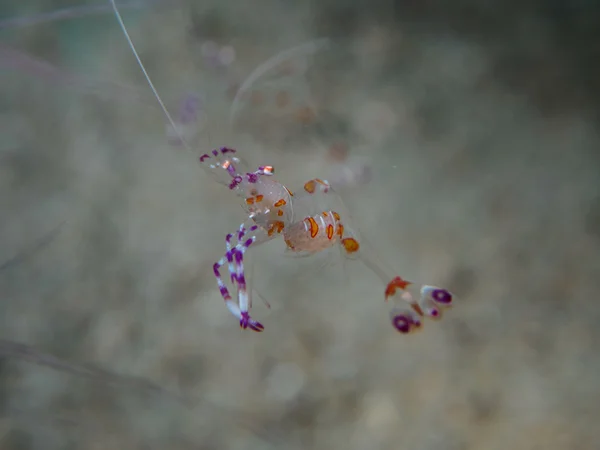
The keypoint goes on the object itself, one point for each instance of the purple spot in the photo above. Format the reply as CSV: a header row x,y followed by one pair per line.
x,y
239,257
231,170
224,292
216,153
236,180
228,238
254,228
227,150
229,255
241,280
442,296
252,177
203,157
256,326
248,243
402,323
216,270
245,320
241,233
434,313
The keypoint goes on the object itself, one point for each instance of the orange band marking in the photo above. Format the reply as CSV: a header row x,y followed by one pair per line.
x,y
314,228
351,245
276,226
310,186
396,283
330,231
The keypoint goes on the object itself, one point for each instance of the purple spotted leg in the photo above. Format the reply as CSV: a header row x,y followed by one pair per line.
x,y
240,278
224,158
234,258
228,258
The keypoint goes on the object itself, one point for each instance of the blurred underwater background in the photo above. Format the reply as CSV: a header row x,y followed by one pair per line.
x,y
464,138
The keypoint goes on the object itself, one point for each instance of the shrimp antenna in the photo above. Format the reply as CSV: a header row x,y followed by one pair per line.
x,y
148,79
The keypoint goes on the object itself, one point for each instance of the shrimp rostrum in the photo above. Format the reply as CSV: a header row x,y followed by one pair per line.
x,y
310,221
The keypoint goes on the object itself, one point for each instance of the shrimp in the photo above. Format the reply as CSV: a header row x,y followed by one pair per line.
x,y
271,211
309,222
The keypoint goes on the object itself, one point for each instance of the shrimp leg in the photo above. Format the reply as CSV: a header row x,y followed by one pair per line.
x,y
248,234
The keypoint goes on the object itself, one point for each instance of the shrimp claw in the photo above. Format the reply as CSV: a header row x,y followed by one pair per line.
x,y
425,301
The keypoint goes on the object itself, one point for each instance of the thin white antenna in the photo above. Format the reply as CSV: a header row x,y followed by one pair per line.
x,y
139,61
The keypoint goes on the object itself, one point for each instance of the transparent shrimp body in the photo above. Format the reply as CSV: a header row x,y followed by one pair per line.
x,y
314,233
266,201
269,204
